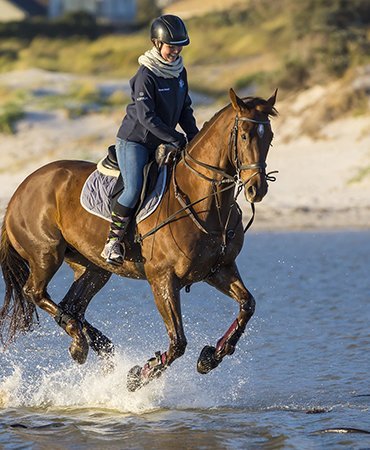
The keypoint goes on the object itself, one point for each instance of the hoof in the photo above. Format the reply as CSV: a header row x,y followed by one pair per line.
x,y
108,366
134,380
207,360
102,345
79,350
138,376
79,347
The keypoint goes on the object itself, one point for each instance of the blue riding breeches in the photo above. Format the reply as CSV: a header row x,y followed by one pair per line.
x,y
131,158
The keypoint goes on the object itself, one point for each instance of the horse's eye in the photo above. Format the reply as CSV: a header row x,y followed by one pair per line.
x,y
244,137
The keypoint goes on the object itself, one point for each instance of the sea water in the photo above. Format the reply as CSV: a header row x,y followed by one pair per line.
x,y
299,378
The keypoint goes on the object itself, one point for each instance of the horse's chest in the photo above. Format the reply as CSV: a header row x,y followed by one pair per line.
x,y
206,257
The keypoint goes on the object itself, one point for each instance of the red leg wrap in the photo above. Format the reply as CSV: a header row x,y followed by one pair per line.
x,y
226,345
154,367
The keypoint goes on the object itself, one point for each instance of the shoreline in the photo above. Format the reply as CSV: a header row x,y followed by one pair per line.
x,y
296,219
309,219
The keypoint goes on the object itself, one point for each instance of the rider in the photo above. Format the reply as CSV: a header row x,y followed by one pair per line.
x,y
160,102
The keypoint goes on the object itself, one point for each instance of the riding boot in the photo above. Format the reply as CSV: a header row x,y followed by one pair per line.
x,y
114,249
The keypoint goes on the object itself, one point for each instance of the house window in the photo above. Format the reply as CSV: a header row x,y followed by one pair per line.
x,y
122,9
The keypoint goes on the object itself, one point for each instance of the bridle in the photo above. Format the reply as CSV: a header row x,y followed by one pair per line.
x,y
231,181
258,167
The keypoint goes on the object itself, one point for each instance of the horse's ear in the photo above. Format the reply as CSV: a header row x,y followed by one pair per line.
x,y
271,101
237,102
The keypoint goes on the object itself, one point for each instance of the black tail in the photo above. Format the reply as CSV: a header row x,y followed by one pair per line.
x,y
17,313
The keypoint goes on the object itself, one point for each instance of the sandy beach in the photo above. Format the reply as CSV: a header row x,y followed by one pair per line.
x,y
323,183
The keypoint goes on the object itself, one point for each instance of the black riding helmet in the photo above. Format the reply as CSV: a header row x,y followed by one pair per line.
x,y
170,30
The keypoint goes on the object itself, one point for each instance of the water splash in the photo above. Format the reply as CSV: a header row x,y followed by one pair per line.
x,y
72,386
45,377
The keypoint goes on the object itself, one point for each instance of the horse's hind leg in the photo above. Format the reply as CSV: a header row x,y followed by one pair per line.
x,y
88,280
228,281
41,272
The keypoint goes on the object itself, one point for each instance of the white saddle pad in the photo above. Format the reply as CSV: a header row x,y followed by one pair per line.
x,y
95,195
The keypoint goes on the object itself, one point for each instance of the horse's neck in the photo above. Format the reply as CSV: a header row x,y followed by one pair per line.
x,y
211,148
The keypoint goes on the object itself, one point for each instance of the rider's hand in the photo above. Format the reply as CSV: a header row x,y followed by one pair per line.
x,y
180,142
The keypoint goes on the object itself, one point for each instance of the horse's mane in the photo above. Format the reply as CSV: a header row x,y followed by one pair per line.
x,y
257,103
213,119
260,104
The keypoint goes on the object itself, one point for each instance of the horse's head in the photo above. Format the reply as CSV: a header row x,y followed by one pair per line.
x,y
250,142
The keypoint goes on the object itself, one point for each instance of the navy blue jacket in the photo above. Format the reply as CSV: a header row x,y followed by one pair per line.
x,y
158,105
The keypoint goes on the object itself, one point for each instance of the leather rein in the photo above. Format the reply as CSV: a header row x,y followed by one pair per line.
x,y
231,181
233,148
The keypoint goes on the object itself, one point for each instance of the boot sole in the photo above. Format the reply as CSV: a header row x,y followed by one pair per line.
x,y
114,262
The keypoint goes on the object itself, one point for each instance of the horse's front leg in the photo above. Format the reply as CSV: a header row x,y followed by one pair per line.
x,y
228,281
167,298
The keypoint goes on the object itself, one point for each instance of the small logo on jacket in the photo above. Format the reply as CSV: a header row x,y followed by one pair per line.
x,y
141,97
181,83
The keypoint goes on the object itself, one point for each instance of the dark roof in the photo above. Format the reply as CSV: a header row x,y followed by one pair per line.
x,y
31,7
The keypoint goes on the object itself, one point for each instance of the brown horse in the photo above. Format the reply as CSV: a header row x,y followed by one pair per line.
x,y
199,236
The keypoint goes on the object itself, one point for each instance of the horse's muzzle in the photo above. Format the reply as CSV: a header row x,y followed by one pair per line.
x,y
254,193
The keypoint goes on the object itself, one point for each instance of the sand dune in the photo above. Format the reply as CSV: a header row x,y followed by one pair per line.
x,y
322,183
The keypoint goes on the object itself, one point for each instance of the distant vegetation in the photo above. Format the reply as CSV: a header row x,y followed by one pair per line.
x,y
265,44
285,43
10,113
82,98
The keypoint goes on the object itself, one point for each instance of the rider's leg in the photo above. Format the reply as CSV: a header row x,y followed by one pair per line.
x,y
114,249
132,158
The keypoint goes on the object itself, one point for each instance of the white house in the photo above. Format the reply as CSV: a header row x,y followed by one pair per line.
x,y
16,10
109,11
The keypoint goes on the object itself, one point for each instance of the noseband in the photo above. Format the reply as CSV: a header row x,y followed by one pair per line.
x,y
232,181
258,167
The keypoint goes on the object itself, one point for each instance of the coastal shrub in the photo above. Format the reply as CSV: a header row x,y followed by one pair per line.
x,y
18,96
294,44
71,24
294,74
118,98
74,110
147,10
249,80
86,92
10,113
362,174
340,101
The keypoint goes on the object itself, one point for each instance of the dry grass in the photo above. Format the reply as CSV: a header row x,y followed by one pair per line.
x,y
339,101
251,45
11,108
362,174
216,79
191,8
10,113
113,54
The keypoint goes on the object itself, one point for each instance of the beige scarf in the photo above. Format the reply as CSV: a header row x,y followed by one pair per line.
x,y
153,60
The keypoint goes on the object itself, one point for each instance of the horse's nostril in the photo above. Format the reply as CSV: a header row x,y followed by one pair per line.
x,y
252,191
